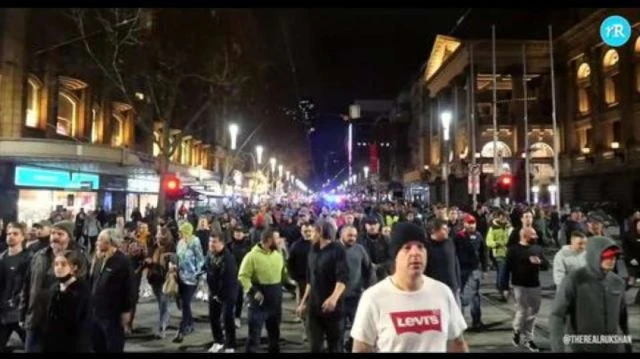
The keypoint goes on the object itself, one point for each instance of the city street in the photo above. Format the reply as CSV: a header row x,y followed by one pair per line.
x,y
496,315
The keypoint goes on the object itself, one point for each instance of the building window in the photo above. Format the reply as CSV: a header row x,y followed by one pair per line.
x,y
33,103
610,59
583,78
583,101
584,72
67,114
617,131
156,147
637,46
609,91
585,137
94,125
117,123
185,152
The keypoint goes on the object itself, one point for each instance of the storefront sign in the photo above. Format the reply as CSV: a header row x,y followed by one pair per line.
x,y
113,183
36,177
143,185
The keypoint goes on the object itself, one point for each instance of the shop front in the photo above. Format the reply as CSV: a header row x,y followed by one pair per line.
x,y
142,193
113,193
43,191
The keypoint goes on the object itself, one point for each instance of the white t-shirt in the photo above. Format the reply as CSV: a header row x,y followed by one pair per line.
x,y
392,320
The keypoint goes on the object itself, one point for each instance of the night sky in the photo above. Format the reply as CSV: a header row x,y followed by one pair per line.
x,y
341,55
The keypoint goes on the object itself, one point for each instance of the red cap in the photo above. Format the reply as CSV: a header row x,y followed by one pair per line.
x,y
610,253
469,219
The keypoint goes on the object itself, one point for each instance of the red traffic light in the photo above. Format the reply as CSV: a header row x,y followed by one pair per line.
x,y
505,180
172,183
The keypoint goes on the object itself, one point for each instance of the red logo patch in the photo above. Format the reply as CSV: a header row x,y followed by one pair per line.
x,y
417,321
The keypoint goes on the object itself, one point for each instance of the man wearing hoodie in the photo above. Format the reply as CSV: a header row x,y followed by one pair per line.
x,y
497,239
570,257
591,301
377,247
239,247
39,281
261,275
222,273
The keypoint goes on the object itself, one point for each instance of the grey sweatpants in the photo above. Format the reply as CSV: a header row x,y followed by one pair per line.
x,y
527,307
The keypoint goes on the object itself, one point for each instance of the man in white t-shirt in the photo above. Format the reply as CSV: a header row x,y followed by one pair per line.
x,y
407,311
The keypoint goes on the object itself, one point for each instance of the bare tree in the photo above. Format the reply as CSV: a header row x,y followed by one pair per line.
x,y
179,88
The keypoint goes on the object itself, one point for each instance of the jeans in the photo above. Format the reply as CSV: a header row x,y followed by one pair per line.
x,y
268,314
108,335
33,343
471,293
329,327
502,277
223,307
186,293
527,306
350,307
239,302
163,307
136,295
5,334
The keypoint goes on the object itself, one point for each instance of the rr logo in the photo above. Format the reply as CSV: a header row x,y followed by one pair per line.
x,y
615,31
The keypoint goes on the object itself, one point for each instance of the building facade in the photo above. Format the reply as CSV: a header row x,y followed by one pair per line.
x,y
597,93
65,142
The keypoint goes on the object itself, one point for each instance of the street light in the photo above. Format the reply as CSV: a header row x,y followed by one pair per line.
x,y
445,118
366,172
259,150
272,161
280,170
233,131
288,173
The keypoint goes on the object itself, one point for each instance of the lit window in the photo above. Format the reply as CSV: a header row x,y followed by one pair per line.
x,y
583,101
584,71
156,147
609,91
94,125
67,113
610,59
33,102
117,123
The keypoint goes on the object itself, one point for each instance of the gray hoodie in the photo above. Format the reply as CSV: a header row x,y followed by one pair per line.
x,y
565,262
590,302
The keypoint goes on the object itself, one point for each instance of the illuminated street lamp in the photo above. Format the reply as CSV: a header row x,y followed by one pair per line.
x,y
288,175
366,172
233,131
259,150
272,161
445,118
280,170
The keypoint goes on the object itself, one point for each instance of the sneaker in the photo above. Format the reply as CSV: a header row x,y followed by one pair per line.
x,y
215,348
531,346
178,338
238,323
229,350
515,340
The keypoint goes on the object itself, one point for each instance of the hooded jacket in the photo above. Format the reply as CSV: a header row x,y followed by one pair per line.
x,y
497,238
262,267
590,302
565,262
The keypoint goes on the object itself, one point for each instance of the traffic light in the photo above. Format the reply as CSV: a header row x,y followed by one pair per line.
x,y
504,184
172,187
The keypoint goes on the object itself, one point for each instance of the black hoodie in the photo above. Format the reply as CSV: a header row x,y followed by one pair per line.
x,y
590,302
222,275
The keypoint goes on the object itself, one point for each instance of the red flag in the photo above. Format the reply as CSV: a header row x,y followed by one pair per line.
x,y
374,158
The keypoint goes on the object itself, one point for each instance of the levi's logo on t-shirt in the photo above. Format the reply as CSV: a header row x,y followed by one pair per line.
x,y
417,321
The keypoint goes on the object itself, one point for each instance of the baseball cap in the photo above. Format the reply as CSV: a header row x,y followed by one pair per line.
x,y
611,252
469,219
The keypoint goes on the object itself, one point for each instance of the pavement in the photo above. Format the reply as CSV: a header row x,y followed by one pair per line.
x,y
496,315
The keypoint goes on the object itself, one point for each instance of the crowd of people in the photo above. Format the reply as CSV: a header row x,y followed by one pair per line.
x,y
367,277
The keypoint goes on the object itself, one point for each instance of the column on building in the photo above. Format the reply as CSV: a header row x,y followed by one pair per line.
x,y
13,77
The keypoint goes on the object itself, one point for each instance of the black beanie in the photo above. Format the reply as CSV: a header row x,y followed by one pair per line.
x,y
404,232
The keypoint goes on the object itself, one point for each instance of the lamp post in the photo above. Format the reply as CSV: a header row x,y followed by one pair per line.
x,y
366,172
259,150
280,171
272,161
445,118
233,131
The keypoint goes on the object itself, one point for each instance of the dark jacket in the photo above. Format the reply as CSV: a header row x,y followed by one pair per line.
x,y
590,301
471,251
378,250
38,283
631,244
112,286
203,236
326,267
298,260
222,275
442,263
12,280
68,324
523,272
239,249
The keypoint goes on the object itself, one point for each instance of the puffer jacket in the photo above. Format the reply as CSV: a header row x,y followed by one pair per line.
x,y
498,238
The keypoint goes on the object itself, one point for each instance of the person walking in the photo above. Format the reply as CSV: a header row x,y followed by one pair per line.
x,y
239,247
570,257
408,311
442,262
157,266
497,239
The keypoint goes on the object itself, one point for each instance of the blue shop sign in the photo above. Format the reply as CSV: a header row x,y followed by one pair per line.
x,y
36,177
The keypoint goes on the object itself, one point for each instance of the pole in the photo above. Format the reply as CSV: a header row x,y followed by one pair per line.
x,y
556,137
527,157
496,170
472,112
